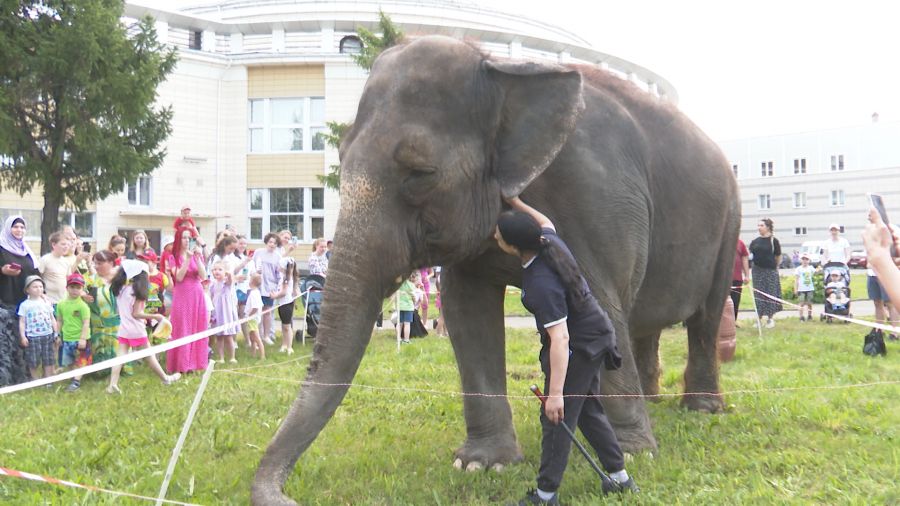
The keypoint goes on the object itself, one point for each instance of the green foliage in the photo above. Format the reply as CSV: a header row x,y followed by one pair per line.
x,y
77,91
333,138
394,445
374,44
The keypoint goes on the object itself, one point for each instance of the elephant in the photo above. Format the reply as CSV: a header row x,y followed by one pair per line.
x,y
646,202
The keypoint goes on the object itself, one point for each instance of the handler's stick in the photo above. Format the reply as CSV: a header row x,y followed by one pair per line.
x,y
603,477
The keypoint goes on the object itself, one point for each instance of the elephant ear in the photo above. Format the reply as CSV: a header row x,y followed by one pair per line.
x,y
541,105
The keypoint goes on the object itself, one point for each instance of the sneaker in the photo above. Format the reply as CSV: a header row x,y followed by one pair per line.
x,y
113,389
283,349
232,361
612,486
73,386
290,351
172,379
406,341
770,324
268,341
532,497
802,319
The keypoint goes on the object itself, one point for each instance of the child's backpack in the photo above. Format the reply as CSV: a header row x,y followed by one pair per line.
x,y
874,344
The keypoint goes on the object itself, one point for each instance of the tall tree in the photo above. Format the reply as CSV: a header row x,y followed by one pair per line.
x,y
373,45
77,101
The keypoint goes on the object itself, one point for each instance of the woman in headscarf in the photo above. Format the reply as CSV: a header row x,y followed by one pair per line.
x,y
17,262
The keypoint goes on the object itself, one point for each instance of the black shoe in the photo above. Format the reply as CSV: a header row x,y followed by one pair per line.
x,y
532,497
612,486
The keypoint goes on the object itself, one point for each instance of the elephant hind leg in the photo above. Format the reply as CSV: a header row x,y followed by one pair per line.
x,y
646,358
701,376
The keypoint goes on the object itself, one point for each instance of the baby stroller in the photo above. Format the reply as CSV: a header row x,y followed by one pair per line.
x,y
837,300
311,296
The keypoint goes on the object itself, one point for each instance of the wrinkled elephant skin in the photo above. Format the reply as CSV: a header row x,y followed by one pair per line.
x,y
646,202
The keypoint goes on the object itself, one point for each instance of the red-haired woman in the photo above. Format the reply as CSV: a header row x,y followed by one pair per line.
x,y
189,313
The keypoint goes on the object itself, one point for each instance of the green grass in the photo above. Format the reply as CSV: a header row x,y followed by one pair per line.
x,y
393,447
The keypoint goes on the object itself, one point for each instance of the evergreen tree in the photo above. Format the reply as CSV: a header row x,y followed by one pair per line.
x,y
77,93
373,45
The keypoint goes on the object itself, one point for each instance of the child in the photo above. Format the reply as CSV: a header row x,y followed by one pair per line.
x,y
131,299
836,289
37,328
159,282
254,308
55,267
186,221
74,318
284,301
804,287
224,302
405,307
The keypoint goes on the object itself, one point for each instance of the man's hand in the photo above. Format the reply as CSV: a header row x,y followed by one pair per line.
x,y
23,342
82,344
553,408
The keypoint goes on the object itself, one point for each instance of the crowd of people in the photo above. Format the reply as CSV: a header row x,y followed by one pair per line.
x,y
71,308
764,254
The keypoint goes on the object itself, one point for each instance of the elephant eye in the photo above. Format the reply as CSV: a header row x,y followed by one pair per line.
x,y
418,183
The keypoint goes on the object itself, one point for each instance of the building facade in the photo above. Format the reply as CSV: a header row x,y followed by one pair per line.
x,y
807,181
255,85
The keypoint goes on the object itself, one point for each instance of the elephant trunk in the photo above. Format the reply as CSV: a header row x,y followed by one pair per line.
x,y
348,312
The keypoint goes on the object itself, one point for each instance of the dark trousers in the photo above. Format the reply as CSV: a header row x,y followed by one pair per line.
x,y
586,413
737,288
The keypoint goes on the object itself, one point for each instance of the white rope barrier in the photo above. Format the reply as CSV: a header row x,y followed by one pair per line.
x,y
12,473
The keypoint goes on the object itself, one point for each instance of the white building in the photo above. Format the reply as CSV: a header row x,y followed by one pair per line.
x,y
256,83
807,181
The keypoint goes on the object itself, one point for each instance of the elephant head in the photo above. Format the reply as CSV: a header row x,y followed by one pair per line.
x,y
441,133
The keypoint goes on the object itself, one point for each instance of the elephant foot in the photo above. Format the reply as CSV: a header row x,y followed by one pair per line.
x,y
705,403
494,453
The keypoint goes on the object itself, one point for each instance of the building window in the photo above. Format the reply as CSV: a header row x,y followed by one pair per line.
x,y
799,230
300,210
32,219
837,162
139,191
734,168
837,198
285,125
768,169
83,223
799,200
799,165
195,39
764,201
351,45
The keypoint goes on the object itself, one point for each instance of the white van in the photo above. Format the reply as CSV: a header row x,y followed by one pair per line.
x,y
814,249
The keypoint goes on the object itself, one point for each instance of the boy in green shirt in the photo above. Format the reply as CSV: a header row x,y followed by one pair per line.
x,y
74,317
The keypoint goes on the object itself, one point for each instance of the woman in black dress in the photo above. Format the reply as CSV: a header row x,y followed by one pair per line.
x,y
17,262
578,342
766,252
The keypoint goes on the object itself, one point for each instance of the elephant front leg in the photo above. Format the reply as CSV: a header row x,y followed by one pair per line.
x,y
473,311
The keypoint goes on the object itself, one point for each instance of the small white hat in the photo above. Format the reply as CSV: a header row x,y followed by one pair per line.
x,y
134,267
835,226
167,240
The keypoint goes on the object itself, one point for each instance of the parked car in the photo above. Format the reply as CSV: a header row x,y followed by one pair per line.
x,y
858,260
814,249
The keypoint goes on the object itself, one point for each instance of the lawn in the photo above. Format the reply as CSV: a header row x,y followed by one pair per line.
x,y
798,433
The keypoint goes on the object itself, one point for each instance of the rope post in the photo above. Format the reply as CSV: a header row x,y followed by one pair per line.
x,y
176,452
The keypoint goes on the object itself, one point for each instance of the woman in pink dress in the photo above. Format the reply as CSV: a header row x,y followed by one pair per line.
x,y
189,314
